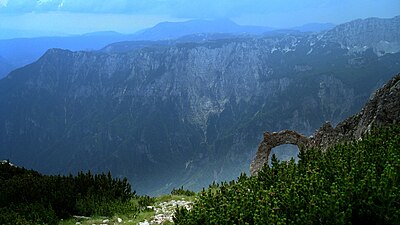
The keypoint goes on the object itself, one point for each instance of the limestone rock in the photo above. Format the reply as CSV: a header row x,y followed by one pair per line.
x,y
381,110
272,140
380,34
144,223
165,211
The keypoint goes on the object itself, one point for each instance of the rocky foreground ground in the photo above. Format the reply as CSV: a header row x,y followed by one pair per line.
x,y
161,212
165,211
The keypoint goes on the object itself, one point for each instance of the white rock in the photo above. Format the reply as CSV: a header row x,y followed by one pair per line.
x,y
106,221
164,211
119,220
144,223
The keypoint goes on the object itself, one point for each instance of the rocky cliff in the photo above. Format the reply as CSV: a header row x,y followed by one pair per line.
x,y
382,35
381,110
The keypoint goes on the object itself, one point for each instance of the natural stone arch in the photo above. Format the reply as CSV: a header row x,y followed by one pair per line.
x,y
284,152
382,110
272,140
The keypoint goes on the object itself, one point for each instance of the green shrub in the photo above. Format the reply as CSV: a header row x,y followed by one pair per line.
x,y
355,183
33,198
181,191
27,214
145,201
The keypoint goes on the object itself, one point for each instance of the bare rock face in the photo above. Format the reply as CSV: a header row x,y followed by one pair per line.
x,y
381,34
271,140
381,110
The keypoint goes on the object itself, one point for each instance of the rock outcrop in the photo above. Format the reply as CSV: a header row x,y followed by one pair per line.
x,y
382,109
164,211
272,140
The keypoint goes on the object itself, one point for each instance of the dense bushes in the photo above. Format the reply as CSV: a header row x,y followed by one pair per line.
x,y
181,191
24,213
144,201
355,183
27,197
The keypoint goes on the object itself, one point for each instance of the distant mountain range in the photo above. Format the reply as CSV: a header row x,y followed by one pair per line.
x,y
380,34
171,113
16,33
22,51
314,27
173,30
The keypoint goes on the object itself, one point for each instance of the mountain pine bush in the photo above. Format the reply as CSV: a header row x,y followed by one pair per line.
x,y
353,183
27,197
182,191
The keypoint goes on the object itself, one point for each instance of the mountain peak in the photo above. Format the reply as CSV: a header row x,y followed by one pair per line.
x,y
173,30
383,35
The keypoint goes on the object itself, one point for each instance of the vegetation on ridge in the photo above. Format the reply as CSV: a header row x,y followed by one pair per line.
x,y
27,197
356,183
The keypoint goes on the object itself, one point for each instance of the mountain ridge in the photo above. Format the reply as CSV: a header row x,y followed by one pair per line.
x,y
16,54
380,34
186,114
15,51
173,30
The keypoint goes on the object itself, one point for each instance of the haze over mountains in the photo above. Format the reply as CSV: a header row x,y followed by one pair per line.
x,y
17,52
192,110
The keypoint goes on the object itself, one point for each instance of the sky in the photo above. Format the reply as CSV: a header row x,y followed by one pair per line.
x,y
129,16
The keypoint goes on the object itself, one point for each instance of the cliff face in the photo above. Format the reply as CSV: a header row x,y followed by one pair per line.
x,y
381,110
382,35
180,114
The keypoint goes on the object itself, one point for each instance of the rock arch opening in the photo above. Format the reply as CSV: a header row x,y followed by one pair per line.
x,y
272,140
285,152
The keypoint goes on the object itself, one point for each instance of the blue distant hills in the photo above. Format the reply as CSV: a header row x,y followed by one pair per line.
x,y
18,52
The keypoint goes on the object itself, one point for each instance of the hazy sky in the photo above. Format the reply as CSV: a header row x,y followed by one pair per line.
x,y
127,16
